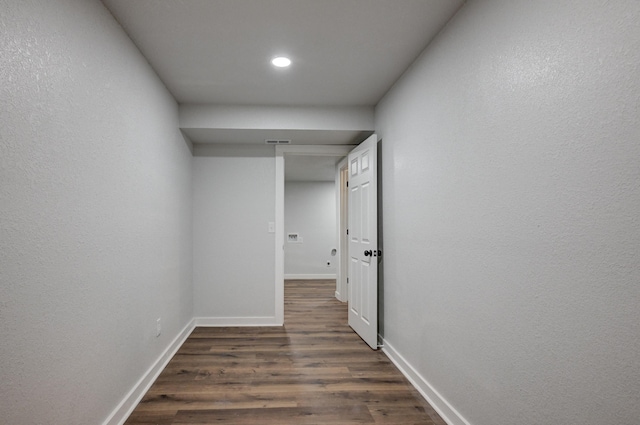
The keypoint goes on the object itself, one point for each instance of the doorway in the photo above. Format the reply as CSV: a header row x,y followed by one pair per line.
x,y
310,242
364,253
337,151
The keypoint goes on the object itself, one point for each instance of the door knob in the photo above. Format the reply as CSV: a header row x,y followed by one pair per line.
x,y
368,253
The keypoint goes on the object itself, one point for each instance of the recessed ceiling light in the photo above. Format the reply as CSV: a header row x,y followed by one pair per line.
x,y
281,62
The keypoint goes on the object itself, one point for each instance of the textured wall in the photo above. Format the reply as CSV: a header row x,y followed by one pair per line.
x,y
233,265
511,182
95,210
310,210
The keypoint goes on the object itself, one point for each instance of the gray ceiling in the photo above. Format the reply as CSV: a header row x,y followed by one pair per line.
x,y
344,52
214,57
310,168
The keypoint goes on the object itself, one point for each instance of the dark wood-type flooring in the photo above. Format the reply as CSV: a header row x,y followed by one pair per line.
x,y
314,370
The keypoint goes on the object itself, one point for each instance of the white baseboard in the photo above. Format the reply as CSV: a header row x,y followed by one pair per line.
x,y
120,414
235,321
450,415
310,276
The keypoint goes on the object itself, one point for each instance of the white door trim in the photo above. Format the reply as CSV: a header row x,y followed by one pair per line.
x,y
281,151
342,174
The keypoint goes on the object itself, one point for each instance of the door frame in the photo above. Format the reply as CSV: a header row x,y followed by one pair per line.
x,y
281,151
342,202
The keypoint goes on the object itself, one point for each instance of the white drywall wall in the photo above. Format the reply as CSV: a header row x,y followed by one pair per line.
x,y
234,201
310,211
272,117
511,184
95,210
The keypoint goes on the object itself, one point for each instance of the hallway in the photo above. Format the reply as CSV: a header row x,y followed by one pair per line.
x,y
314,370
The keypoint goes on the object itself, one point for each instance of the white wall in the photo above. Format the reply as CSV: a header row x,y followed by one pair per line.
x,y
95,210
276,117
234,201
310,211
512,229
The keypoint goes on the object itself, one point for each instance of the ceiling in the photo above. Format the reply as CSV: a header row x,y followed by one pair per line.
x,y
310,168
344,52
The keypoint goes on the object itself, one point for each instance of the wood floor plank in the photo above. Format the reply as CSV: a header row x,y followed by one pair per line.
x,y
312,370
160,417
358,414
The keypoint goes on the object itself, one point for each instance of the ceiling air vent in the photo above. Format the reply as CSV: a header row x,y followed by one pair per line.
x,y
277,142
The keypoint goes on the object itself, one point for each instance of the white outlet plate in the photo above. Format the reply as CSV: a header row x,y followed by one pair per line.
x,y
294,238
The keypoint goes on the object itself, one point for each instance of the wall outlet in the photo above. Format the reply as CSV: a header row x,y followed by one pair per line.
x,y
158,327
293,238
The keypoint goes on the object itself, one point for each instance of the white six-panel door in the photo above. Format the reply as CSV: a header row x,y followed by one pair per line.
x,y
363,241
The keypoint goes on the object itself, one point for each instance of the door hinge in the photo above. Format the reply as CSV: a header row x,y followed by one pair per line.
x,y
347,231
347,184
347,280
